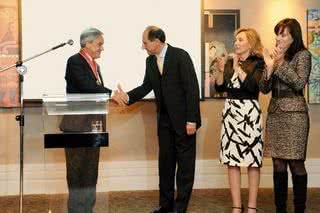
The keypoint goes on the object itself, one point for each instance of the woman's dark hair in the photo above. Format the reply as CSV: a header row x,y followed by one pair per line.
x,y
294,29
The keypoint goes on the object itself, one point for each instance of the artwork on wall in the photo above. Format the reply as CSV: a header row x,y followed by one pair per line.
x,y
9,52
217,41
313,29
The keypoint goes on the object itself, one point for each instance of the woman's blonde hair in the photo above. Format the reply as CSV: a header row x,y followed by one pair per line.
x,y
253,39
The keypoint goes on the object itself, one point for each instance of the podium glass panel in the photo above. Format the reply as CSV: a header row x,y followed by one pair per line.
x,y
62,148
75,117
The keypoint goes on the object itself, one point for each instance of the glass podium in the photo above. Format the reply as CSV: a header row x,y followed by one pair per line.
x,y
80,120
62,147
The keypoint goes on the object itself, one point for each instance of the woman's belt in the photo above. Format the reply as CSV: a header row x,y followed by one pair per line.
x,y
286,93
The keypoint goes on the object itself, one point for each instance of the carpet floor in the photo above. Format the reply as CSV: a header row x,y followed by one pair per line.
x,y
202,201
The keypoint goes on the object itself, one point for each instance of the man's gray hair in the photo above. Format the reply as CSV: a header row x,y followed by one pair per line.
x,y
88,35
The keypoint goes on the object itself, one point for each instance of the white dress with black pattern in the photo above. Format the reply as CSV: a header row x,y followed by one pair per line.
x,y
241,132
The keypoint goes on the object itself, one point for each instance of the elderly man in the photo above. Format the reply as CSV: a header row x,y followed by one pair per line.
x,y
83,76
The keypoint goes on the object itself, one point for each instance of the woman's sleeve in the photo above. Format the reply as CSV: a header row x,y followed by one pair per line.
x,y
251,83
265,84
296,75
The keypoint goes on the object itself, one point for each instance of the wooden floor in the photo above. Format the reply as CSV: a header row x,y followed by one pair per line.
x,y
202,201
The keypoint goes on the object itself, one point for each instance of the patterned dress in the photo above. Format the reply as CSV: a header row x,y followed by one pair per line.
x,y
241,132
288,123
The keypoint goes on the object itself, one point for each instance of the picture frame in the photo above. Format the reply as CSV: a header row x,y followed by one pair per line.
x,y
10,52
313,43
218,27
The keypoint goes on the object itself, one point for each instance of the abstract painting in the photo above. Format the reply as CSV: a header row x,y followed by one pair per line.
x,y
9,52
313,29
217,41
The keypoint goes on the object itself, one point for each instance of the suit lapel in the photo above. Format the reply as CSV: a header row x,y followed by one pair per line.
x,y
166,61
155,67
100,76
88,68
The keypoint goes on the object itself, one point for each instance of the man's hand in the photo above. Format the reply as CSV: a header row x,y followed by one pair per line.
x,y
191,128
120,97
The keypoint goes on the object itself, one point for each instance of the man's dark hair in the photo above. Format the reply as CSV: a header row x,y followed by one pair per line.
x,y
156,33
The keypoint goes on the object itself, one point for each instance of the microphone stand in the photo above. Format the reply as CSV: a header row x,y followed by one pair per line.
x,y
22,70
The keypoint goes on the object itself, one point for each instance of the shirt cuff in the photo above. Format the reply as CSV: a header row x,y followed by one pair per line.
x,y
128,99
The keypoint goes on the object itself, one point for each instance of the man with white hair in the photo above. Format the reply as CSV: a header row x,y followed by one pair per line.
x,y
83,76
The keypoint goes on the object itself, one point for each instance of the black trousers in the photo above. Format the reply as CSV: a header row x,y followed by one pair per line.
x,y
180,150
82,174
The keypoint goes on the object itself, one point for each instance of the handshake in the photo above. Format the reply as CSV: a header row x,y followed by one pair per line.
x,y
120,97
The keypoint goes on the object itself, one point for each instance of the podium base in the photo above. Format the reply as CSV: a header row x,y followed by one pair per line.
x,y
74,140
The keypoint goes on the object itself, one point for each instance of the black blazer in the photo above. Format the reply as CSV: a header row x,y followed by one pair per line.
x,y
180,89
80,78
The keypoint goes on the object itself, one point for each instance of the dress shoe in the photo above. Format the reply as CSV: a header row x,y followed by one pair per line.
x,y
161,209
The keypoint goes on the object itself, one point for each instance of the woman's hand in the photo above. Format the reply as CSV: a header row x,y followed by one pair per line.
x,y
218,76
269,60
235,58
238,72
278,55
221,61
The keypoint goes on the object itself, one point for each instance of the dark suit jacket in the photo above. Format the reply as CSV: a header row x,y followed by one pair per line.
x,y
180,89
80,79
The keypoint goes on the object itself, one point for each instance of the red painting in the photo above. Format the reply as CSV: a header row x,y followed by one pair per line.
x,y
9,52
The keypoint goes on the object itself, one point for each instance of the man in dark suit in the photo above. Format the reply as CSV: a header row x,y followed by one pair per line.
x,y
83,76
171,75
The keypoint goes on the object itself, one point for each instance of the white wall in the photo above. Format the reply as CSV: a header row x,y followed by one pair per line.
x,y
48,23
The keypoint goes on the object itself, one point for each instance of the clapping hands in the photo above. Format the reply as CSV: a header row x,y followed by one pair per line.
x,y
221,61
235,58
273,59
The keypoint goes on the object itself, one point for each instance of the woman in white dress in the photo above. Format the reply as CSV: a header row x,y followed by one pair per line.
x,y
241,132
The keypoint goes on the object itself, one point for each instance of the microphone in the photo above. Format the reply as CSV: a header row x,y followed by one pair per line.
x,y
70,42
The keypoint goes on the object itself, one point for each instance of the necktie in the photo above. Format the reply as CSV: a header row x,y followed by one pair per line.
x,y
160,64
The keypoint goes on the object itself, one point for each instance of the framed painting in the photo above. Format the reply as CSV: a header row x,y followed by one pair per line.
x,y
9,52
218,27
313,31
